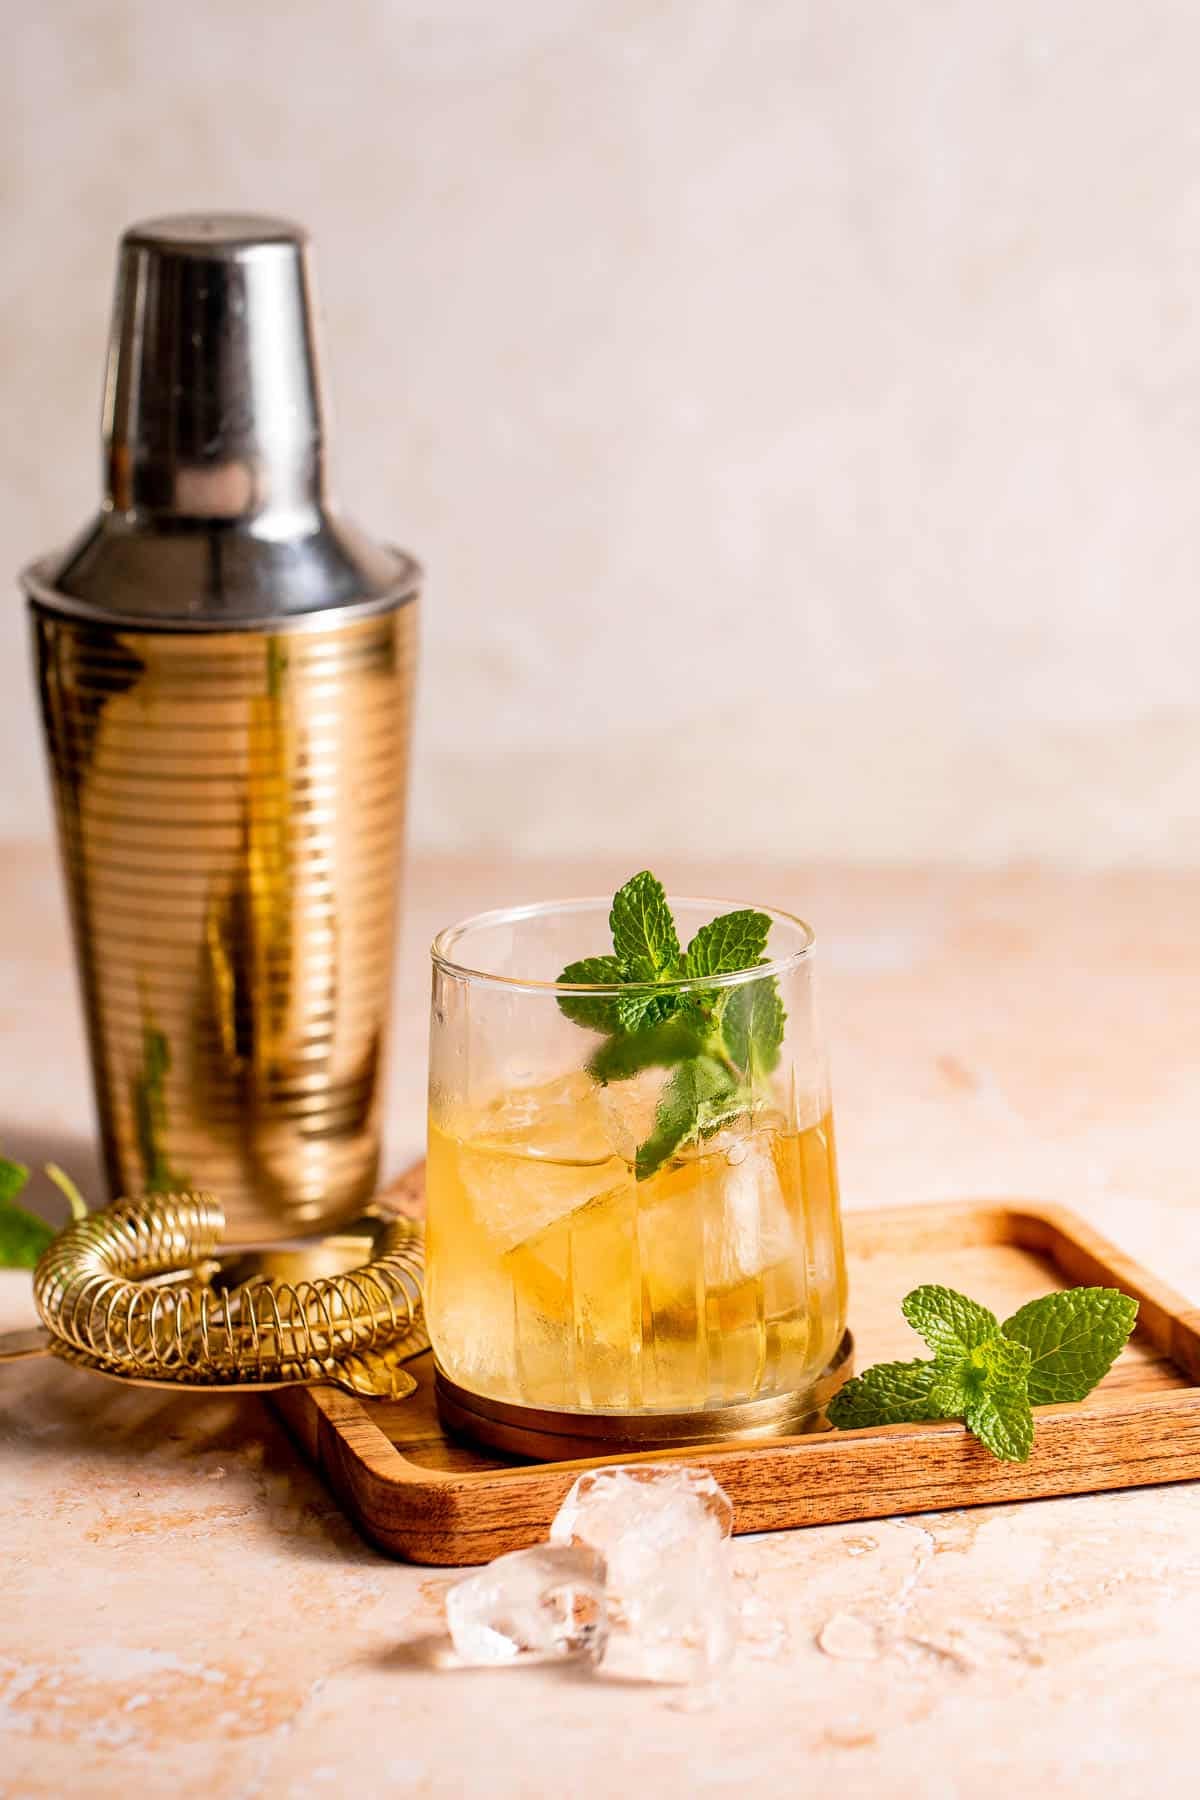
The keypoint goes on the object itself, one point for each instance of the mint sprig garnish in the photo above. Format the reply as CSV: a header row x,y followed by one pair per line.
x,y
717,1042
991,1375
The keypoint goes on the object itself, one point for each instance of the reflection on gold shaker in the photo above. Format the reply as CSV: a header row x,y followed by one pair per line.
x,y
231,811
226,671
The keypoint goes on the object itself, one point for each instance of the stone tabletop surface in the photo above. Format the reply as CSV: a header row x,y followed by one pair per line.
x,y
186,1611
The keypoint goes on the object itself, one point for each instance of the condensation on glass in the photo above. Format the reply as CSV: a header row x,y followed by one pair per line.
x,y
557,1280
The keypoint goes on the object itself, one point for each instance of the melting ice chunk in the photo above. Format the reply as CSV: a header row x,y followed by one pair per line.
x,y
531,1606
662,1530
627,1110
535,1156
748,1226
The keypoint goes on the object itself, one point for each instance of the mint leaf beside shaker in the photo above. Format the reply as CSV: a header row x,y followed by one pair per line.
x,y
23,1237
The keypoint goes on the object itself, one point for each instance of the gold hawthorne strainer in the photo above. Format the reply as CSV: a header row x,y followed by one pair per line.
x,y
135,1292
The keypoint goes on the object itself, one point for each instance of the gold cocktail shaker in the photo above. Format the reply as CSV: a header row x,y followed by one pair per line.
x,y
226,669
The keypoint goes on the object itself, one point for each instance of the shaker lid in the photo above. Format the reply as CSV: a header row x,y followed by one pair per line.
x,y
216,513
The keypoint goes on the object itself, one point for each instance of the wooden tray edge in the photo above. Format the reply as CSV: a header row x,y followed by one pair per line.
x,y
863,1475
427,1515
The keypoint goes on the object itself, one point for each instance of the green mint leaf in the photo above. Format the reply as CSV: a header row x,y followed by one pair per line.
x,y
643,930
22,1236
691,1033
1054,1349
689,1098
948,1321
987,1387
75,1200
658,1046
13,1176
724,1107
1073,1339
597,1012
960,1379
640,1008
895,1393
1002,1420
752,1022
727,945
1003,1361
952,1386
751,1016
998,1410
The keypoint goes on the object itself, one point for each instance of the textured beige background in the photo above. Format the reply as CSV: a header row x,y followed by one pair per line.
x,y
797,405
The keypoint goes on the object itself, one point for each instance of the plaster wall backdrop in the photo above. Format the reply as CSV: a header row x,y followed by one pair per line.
x,y
797,405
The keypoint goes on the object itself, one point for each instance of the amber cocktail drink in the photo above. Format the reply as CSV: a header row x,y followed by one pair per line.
x,y
628,1220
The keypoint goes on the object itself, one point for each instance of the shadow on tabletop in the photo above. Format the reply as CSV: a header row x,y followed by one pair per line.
x,y
50,1410
127,1446
434,1651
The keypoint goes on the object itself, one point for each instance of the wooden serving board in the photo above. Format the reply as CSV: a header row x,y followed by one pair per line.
x,y
424,1497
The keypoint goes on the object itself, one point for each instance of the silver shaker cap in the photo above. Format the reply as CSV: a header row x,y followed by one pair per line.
x,y
216,513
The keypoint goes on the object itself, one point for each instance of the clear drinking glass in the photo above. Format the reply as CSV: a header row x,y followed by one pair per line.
x,y
568,1266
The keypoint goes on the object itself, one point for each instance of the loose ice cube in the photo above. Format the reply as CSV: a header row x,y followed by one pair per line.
x,y
662,1530
531,1606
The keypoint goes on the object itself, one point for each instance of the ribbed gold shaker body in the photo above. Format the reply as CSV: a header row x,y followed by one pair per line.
x,y
230,810
226,670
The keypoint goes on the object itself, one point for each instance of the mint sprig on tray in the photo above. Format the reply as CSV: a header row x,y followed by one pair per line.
x,y
991,1375
717,1042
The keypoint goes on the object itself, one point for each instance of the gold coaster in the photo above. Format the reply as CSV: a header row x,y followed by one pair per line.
x,y
550,1434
